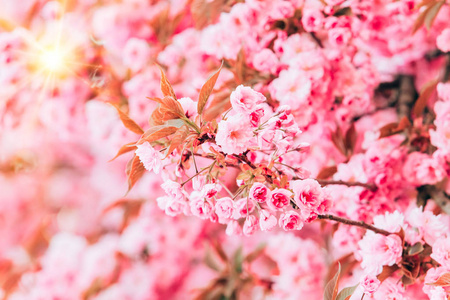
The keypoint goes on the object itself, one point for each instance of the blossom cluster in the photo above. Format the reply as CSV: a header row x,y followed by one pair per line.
x,y
278,149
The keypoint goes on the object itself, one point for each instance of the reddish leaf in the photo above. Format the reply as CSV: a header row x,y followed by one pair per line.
x,y
206,90
129,123
326,172
205,12
156,118
424,3
178,139
428,15
387,272
394,128
219,104
331,289
338,140
166,87
157,132
169,108
425,94
350,138
444,280
125,149
135,170
432,13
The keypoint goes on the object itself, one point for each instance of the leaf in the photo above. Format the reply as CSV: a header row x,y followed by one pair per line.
x,y
394,128
206,90
415,249
157,132
444,280
125,149
432,13
346,293
166,87
428,15
135,170
170,108
178,138
350,138
238,259
326,172
425,94
218,105
129,123
387,272
205,12
255,254
332,286
338,140
424,3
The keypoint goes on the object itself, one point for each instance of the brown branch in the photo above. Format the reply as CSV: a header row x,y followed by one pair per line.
x,y
406,96
368,186
354,223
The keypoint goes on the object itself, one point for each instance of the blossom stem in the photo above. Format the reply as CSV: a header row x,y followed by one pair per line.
x,y
354,223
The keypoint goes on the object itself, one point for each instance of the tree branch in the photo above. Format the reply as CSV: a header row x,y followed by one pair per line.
x,y
354,223
368,186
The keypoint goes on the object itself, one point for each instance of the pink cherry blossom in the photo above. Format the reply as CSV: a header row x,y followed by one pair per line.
x,y
150,157
259,192
250,225
279,199
290,221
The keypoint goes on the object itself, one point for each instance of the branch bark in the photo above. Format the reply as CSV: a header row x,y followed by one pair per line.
x,y
354,223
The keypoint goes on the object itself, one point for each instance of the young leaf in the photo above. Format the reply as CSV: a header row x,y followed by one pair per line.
x,y
415,249
125,149
178,138
170,108
205,12
444,280
135,170
129,123
331,289
350,138
425,94
166,87
346,293
157,132
206,90
220,104
432,13
428,15
327,172
387,272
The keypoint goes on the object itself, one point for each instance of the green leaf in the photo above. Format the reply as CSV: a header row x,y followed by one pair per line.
x,y
206,90
415,249
346,293
332,286
238,259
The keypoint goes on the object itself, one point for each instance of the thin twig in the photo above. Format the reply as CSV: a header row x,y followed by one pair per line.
x,y
354,223
368,186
